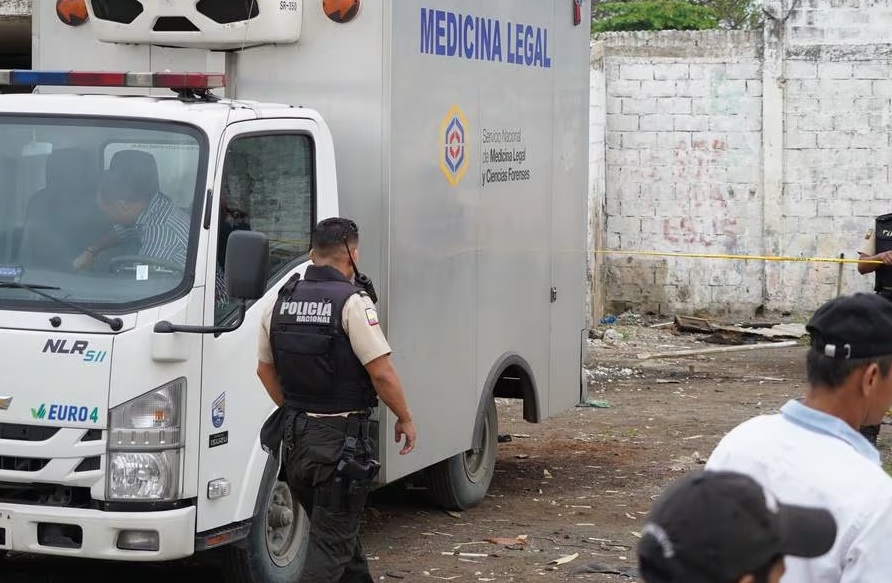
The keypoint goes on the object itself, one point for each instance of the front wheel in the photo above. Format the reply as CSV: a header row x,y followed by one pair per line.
x,y
462,481
276,547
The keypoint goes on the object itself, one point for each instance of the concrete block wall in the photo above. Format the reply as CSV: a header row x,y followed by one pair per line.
x,y
597,185
683,152
837,154
774,143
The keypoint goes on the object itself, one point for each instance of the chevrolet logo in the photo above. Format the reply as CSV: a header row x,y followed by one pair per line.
x,y
5,402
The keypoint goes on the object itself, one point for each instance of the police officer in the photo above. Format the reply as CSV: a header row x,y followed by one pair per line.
x,y
325,361
877,246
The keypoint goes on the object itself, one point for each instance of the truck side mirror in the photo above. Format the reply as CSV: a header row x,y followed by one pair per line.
x,y
247,265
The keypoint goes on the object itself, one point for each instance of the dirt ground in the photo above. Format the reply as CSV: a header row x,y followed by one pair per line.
x,y
575,487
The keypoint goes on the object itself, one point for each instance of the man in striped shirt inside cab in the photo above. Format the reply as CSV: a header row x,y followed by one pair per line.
x,y
130,196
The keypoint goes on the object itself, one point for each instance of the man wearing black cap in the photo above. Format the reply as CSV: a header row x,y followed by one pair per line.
x,y
811,453
721,527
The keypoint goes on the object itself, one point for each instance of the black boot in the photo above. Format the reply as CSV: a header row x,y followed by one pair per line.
x,y
871,432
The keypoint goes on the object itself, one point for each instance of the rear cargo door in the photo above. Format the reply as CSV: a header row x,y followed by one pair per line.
x,y
569,205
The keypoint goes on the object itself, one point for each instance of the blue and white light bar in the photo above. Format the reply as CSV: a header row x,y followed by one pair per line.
x,y
112,79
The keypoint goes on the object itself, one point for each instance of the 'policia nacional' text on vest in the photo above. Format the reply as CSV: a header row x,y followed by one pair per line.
x,y
318,370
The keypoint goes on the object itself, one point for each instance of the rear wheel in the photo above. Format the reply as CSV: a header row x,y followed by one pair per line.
x,y
463,480
276,546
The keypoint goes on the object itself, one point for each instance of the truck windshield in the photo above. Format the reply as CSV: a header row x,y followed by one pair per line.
x,y
102,209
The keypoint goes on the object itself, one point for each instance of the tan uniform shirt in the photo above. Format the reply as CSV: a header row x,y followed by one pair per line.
x,y
360,322
869,244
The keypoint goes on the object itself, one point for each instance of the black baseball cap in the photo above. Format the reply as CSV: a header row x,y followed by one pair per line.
x,y
852,326
717,526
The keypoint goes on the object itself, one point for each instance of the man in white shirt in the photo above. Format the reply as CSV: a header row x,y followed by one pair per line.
x,y
721,527
812,454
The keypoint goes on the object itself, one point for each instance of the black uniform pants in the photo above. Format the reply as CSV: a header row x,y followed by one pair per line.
x,y
333,504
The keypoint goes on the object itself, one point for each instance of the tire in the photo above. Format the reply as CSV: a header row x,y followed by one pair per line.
x,y
462,481
275,550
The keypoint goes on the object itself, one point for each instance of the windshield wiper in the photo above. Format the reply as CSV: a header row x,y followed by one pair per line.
x,y
113,323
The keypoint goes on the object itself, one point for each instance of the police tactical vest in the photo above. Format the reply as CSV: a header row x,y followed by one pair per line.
x,y
318,370
883,234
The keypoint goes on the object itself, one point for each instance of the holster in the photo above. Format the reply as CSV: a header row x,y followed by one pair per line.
x,y
342,495
349,468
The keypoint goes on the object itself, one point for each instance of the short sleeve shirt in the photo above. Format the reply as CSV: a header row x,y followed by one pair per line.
x,y
360,322
807,457
868,244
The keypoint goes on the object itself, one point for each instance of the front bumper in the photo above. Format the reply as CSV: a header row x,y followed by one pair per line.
x,y
99,532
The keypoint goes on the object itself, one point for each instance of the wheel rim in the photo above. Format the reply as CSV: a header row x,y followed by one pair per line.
x,y
284,521
476,463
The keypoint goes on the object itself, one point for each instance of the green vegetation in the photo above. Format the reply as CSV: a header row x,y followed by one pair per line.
x,y
630,15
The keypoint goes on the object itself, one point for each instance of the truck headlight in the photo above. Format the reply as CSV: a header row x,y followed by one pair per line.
x,y
145,442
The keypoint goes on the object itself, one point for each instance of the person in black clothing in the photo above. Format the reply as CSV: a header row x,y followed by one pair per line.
x,y
875,256
325,361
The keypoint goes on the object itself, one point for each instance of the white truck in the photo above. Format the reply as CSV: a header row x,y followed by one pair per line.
x,y
454,132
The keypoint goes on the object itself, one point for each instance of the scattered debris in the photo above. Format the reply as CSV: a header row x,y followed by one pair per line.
x,y
453,513
599,373
759,324
687,462
596,403
603,569
519,540
695,352
740,334
428,574
692,324
564,560
504,438
612,337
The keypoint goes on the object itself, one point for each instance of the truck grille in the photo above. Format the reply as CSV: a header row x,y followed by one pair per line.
x,y
70,464
45,495
22,464
17,432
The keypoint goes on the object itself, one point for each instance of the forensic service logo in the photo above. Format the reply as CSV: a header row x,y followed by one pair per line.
x,y
454,162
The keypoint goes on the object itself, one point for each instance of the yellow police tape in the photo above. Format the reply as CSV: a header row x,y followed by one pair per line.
x,y
304,243
732,256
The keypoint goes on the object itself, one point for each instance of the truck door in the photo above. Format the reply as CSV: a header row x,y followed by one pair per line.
x,y
569,214
266,181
